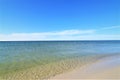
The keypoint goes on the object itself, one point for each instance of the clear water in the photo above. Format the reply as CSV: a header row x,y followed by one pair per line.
x,y
14,54
41,49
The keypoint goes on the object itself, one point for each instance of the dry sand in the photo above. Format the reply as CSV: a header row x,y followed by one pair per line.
x,y
108,68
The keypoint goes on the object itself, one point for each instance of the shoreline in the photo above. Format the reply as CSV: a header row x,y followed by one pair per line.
x,y
55,69
108,68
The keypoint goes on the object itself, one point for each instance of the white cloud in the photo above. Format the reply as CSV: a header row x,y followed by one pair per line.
x,y
44,35
65,37
97,37
62,35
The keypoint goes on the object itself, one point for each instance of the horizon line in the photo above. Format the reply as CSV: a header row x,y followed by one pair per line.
x,y
53,40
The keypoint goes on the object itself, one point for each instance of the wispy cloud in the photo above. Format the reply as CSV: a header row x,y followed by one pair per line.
x,y
73,34
112,27
44,35
59,33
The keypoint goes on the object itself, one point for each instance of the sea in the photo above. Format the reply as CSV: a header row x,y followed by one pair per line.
x,y
19,55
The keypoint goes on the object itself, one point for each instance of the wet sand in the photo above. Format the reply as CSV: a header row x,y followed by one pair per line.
x,y
108,68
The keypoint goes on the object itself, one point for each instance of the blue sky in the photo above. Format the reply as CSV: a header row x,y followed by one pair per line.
x,y
59,19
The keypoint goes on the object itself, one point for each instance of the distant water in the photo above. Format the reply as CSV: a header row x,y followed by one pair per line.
x,y
26,50
13,54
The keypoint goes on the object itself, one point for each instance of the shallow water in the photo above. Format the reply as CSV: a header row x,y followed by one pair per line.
x,y
16,56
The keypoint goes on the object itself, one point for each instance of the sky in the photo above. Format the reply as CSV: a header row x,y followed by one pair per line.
x,y
59,20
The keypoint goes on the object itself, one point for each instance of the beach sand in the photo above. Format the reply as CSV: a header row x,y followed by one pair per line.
x,y
108,68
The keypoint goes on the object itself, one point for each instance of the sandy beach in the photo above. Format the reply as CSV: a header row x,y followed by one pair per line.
x,y
108,68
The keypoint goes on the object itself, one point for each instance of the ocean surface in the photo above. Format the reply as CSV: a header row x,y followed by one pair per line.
x,y
20,55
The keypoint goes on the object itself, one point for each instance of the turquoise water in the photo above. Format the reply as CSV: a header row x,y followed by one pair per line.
x,y
18,55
